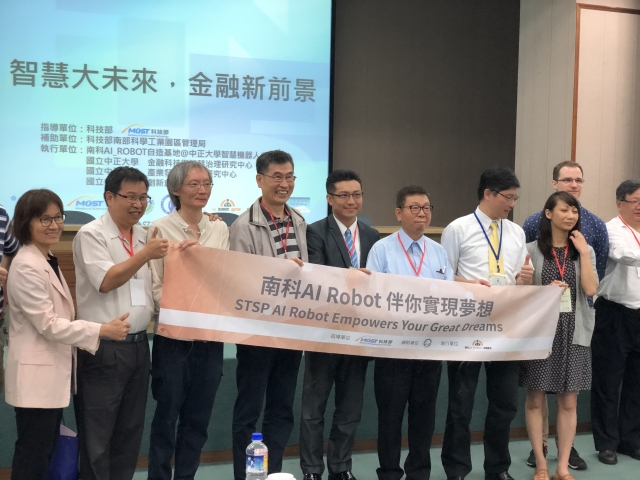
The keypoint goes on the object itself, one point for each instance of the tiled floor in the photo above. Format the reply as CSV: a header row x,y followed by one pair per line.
x,y
365,464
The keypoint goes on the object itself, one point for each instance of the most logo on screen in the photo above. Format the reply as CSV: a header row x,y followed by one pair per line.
x,y
167,205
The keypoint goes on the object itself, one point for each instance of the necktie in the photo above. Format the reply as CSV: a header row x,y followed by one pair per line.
x,y
351,248
415,250
494,238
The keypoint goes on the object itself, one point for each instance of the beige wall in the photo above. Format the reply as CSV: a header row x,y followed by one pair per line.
x,y
545,100
608,108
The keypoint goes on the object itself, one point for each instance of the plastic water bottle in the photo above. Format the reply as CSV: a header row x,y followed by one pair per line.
x,y
257,458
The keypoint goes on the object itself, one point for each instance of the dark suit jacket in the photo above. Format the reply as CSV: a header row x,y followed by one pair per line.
x,y
326,244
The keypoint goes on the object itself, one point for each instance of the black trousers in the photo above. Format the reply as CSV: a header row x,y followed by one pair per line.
x,y
502,393
615,350
321,371
38,432
184,380
264,376
396,383
110,407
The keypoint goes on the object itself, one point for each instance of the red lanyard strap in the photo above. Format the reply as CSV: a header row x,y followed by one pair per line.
x,y
124,245
424,250
630,229
564,261
286,237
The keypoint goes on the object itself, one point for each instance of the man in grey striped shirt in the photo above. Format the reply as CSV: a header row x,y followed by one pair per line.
x,y
8,249
267,375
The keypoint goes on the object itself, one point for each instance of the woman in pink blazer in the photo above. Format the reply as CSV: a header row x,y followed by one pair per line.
x,y
43,335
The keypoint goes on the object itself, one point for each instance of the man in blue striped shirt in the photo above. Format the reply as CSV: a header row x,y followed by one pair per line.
x,y
568,177
8,248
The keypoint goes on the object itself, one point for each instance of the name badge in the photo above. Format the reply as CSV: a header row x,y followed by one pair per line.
x,y
565,302
497,280
138,297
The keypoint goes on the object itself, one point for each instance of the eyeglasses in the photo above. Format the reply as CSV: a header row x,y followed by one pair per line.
x,y
279,178
345,196
46,221
133,200
569,181
196,185
510,198
634,203
415,209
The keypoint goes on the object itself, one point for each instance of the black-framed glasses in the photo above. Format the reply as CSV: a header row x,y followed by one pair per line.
x,y
510,198
46,221
133,199
345,196
569,181
634,203
415,209
279,178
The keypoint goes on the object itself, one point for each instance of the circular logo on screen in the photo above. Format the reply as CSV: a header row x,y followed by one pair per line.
x,y
149,206
167,205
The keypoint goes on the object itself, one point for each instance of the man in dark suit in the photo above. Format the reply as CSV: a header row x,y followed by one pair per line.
x,y
339,240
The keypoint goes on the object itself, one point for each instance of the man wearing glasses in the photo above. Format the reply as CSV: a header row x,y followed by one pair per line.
x,y
487,249
398,382
615,346
338,240
266,375
110,256
568,177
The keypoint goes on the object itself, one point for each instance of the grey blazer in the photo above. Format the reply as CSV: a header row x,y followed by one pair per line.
x,y
250,233
585,315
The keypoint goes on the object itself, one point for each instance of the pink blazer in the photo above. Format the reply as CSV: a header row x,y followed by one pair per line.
x,y
43,335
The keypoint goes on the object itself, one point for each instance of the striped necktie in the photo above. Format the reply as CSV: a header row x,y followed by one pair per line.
x,y
351,247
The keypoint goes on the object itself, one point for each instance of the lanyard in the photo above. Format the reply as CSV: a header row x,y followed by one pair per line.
x,y
496,255
130,252
286,237
630,229
424,250
564,261
353,247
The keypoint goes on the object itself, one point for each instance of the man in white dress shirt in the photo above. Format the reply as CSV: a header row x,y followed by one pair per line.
x,y
110,256
615,346
487,249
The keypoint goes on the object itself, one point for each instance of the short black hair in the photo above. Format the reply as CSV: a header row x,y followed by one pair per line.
x,y
497,179
274,156
120,175
405,192
561,165
32,204
341,176
628,187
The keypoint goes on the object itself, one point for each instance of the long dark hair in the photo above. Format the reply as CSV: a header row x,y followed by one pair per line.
x,y
545,242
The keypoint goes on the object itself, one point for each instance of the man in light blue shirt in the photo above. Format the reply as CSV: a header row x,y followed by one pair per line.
x,y
399,381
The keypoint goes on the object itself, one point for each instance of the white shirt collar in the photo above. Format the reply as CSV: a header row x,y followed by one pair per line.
x,y
343,227
407,241
485,220
202,224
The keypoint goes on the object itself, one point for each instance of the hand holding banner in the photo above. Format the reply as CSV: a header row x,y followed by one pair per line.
x,y
234,297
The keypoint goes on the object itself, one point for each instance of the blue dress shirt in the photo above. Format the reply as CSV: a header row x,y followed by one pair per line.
x,y
593,229
387,256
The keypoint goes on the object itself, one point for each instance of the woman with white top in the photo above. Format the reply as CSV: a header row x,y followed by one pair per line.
x,y
185,374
